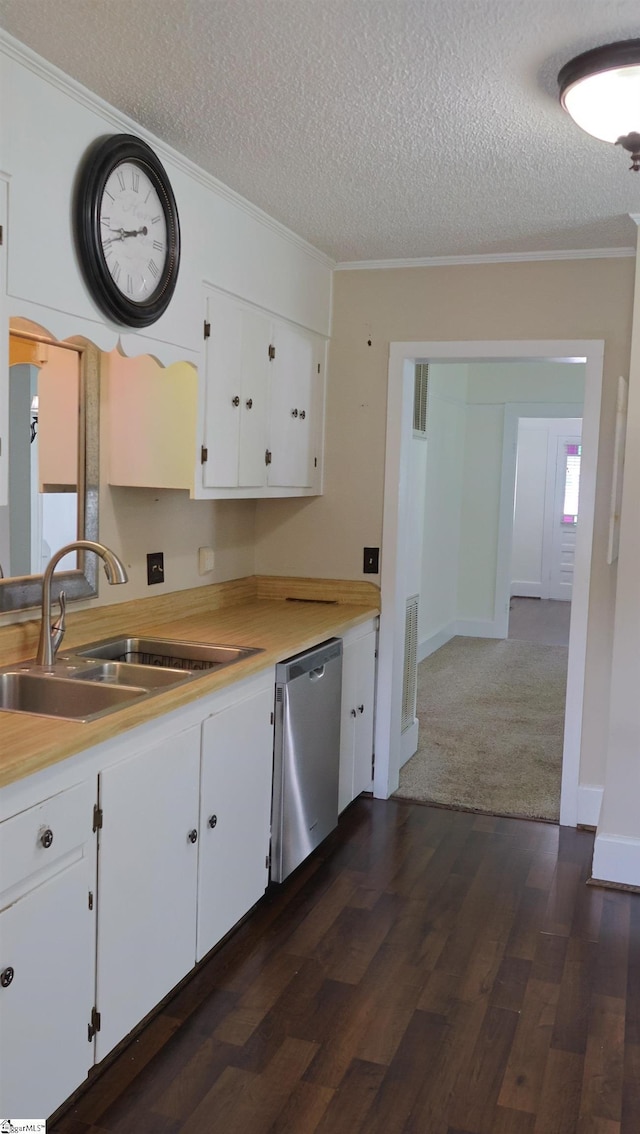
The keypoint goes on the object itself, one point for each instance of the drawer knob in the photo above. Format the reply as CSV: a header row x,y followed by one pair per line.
x,y
235,401
302,415
193,836
6,976
249,403
361,708
353,713
46,838
294,413
213,819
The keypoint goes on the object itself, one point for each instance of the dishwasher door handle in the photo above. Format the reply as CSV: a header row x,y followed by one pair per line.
x,y
316,674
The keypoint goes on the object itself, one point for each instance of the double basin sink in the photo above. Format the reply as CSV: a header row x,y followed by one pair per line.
x,y
104,676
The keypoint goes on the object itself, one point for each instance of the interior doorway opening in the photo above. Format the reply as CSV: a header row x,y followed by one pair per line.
x,y
399,568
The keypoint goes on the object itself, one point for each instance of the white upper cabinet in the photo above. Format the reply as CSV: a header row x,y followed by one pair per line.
x,y
263,403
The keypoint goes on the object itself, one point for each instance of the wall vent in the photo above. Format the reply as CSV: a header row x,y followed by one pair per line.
x,y
420,394
410,668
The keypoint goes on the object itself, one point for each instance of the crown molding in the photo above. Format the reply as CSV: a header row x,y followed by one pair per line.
x,y
20,53
488,258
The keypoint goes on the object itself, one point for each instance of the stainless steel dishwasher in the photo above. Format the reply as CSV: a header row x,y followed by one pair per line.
x,y
306,754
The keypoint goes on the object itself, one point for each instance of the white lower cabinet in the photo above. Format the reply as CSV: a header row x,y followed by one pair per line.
x,y
235,815
47,952
356,726
147,881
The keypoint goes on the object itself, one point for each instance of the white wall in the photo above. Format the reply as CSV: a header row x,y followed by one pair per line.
x,y
442,504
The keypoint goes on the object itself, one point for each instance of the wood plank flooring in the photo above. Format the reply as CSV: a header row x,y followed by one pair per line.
x,y
426,972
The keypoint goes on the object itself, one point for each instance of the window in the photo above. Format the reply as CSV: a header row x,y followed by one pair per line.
x,y
573,454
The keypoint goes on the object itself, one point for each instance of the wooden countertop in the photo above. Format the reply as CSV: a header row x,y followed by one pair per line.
x,y
280,616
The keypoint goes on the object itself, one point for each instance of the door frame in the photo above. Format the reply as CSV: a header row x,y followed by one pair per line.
x,y
513,411
396,526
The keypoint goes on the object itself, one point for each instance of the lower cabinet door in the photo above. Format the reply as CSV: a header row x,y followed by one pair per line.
x,y
147,881
47,939
235,816
365,696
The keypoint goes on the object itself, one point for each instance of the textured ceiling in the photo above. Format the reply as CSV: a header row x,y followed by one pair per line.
x,y
376,129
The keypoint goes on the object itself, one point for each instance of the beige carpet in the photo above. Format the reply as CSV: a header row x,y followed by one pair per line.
x,y
491,725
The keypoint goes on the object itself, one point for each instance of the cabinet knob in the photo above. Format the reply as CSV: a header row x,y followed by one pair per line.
x,y
361,708
46,838
213,819
235,401
303,414
249,403
294,413
6,976
193,836
353,713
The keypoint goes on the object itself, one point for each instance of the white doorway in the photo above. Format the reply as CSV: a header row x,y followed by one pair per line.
x,y
397,569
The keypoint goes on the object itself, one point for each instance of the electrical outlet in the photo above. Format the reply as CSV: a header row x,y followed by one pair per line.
x,y
371,563
155,567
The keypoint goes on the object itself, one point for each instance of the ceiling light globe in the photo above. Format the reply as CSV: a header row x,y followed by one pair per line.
x,y
600,89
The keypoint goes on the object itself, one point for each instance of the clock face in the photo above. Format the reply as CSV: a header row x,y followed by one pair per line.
x,y
133,231
127,230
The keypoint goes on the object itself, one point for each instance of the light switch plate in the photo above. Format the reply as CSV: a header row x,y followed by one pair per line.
x,y
206,560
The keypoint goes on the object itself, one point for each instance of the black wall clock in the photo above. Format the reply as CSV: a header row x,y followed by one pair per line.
x,y
127,230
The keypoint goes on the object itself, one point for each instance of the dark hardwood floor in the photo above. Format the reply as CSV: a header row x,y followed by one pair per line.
x,y
427,971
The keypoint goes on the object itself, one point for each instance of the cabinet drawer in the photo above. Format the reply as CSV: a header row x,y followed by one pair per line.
x,y
35,839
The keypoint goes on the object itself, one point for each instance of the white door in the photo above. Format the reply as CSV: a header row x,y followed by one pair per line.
x,y
147,881
256,334
559,553
235,815
223,392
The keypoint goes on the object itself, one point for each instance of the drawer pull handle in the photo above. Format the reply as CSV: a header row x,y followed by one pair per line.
x,y
6,976
193,836
361,708
353,713
213,819
46,838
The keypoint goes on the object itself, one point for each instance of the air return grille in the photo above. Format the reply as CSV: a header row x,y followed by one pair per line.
x,y
410,671
420,392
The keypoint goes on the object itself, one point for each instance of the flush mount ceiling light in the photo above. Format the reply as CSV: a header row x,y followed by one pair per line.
x,y
600,89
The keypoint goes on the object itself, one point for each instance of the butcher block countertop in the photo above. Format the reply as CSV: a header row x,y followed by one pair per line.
x,y
279,615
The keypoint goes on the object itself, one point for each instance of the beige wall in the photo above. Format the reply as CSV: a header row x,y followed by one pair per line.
x,y
582,299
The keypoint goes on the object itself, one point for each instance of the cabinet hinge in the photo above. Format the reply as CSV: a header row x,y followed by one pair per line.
x,y
267,457
272,352
373,764
204,455
315,462
94,1026
207,329
267,862
90,899
272,718
1,235
318,368
97,818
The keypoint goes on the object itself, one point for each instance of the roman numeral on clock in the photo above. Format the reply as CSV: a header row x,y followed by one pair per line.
x,y
158,245
153,268
121,178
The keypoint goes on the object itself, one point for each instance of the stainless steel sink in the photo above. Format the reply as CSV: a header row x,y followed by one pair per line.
x,y
121,673
105,676
166,653
50,696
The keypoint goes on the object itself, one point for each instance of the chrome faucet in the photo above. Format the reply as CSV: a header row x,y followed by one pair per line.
x,y
51,636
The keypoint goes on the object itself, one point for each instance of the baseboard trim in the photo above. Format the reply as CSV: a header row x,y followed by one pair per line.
x,y
526,590
478,628
409,742
616,859
429,645
589,803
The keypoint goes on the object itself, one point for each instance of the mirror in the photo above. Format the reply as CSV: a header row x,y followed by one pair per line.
x,y
53,465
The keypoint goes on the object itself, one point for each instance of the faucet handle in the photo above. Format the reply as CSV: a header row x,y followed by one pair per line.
x,y
59,626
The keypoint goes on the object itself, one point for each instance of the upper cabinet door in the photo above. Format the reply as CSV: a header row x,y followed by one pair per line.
x,y
4,353
254,387
223,391
291,416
